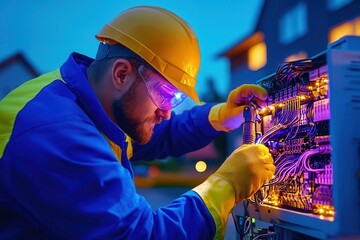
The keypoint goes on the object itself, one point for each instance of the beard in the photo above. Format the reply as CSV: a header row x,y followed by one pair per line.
x,y
123,111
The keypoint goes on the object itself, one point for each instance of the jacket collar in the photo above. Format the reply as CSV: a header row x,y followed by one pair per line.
x,y
74,74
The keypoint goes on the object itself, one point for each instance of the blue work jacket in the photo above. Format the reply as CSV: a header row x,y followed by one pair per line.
x,y
65,170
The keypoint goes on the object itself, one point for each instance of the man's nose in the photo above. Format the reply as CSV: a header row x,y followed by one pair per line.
x,y
164,114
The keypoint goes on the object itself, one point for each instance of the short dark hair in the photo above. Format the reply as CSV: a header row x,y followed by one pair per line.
x,y
98,68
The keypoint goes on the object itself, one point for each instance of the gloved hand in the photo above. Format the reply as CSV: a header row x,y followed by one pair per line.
x,y
229,115
239,177
247,169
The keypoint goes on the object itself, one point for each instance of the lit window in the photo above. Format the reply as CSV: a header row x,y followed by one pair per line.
x,y
357,26
334,5
293,24
257,56
296,56
347,28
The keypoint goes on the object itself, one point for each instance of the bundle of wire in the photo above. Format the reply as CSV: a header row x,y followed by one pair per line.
x,y
288,166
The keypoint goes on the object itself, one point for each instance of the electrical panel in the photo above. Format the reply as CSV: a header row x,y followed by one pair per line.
x,y
311,128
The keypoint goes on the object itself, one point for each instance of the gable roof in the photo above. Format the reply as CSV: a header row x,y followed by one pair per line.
x,y
243,43
19,57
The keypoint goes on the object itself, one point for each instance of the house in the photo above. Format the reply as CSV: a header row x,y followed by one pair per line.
x,y
286,31
14,71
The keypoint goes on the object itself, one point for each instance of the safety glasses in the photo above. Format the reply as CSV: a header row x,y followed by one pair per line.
x,y
165,95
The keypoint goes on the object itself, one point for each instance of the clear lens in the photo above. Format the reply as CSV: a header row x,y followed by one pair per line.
x,y
163,93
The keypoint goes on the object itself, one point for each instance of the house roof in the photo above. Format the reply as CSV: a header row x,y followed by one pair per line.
x,y
244,44
19,57
247,41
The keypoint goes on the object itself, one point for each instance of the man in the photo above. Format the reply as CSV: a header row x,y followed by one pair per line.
x,y
67,137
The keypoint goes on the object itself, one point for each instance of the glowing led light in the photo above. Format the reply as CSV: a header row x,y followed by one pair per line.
x,y
281,104
253,220
331,212
302,97
321,211
325,80
200,166
310,88
178,95
317,84
271,107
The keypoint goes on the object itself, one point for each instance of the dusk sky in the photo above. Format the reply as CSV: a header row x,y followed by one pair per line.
x,y
47,31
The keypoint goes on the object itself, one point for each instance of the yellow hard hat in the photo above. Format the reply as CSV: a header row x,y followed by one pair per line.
x,y
163,40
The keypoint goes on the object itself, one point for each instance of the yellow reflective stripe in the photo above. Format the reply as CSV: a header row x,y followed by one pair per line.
x,y
129,150
114,148
219,198
117,150
11,105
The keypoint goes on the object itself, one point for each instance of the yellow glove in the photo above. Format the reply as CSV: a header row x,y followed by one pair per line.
x,y
247,169
229,115
240,176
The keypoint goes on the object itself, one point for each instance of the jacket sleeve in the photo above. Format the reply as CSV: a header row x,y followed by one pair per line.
x,y
66,180
183,133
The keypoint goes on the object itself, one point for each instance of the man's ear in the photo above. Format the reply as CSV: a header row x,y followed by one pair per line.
x,y
121,71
